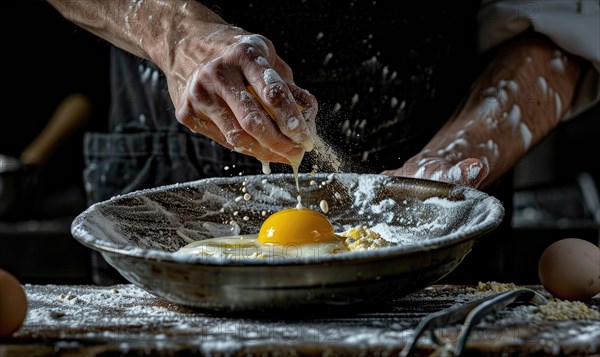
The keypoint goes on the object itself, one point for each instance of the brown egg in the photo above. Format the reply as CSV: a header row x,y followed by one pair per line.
x,y
13,304
570,269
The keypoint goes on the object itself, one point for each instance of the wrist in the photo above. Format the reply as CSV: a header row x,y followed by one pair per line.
x,y
170,28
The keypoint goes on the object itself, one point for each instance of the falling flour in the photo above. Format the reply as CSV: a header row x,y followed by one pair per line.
x,y
326,154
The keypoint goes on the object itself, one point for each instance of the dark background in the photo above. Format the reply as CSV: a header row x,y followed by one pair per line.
x,y
47,58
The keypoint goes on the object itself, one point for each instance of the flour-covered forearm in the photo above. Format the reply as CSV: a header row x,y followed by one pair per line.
x,y
146,28
572,25
518,99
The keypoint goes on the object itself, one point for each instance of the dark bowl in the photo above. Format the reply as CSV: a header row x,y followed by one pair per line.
x,y
433,224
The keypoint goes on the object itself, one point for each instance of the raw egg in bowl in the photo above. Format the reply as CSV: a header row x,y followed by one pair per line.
x,y
290,233
296,226
430,227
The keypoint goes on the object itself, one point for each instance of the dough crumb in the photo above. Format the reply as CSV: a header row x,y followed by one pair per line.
x,y
493,286
561,310
362,238
69,296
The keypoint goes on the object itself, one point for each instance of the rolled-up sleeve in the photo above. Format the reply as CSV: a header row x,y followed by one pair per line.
x,y
573,25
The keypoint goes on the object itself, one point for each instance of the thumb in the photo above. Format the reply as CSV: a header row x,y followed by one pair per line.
x,y
473,171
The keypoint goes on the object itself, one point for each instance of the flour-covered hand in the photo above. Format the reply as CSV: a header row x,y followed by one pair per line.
x,y
210,66
469,172
242,95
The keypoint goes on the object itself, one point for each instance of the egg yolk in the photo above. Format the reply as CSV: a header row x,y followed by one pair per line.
x,y
296,226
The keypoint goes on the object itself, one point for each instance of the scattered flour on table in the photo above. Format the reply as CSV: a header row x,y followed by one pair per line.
x,y
127,314
138,321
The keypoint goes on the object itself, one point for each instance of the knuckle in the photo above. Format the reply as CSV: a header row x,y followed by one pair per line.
x,y
246,100
184,114
278,146
198,94
237,138
211,73
198,88
253,122
297,134
233,137
276,95
243,49
256,43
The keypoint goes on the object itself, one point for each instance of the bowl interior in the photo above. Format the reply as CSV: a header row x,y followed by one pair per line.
x,y
407,212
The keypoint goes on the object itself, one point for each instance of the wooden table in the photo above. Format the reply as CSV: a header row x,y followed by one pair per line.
x,y
123,319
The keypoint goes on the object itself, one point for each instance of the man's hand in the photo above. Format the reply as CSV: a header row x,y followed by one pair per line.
x,y
468,172
242,95
212,69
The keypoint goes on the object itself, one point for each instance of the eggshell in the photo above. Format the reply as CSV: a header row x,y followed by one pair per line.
x,y
570,269
13,304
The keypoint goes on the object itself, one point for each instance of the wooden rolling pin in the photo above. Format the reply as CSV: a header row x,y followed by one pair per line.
x,y
70,114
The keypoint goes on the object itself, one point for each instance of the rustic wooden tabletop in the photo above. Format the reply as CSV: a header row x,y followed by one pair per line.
x,y
125,320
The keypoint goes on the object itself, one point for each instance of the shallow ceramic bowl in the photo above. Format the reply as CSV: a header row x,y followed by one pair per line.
x,y
434,225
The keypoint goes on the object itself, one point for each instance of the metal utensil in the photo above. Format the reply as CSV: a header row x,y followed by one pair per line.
x,y
470,313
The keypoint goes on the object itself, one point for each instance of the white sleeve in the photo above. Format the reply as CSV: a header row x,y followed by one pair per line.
x,y
573,25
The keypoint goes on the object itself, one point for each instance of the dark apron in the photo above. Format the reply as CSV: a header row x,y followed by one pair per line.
x,y
387,75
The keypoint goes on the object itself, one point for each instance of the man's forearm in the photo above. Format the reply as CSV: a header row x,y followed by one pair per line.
x,y
516,101
150,29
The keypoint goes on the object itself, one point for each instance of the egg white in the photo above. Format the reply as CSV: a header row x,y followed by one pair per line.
x,y
248,246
